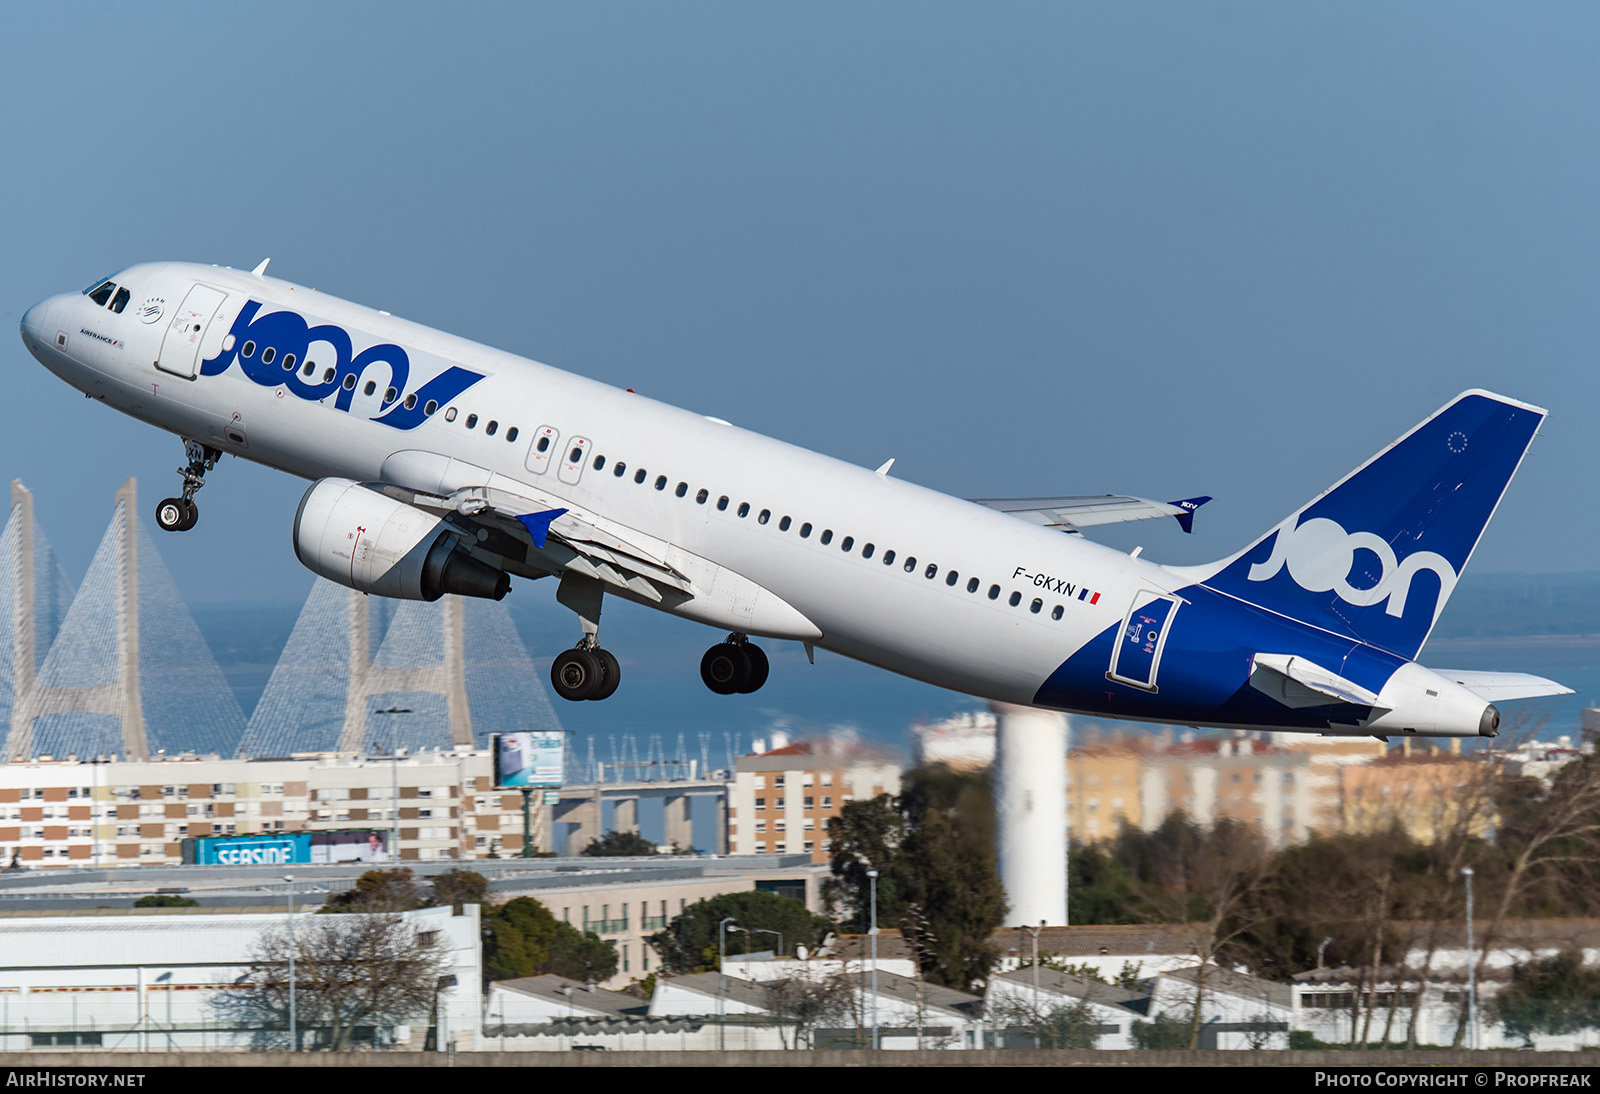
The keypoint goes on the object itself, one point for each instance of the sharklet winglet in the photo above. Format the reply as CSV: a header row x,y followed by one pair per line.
x,y
1189,506
538,524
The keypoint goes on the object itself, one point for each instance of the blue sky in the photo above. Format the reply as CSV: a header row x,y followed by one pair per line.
x,y
1166,249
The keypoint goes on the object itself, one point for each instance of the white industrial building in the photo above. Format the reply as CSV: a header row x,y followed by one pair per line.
x,y
151,980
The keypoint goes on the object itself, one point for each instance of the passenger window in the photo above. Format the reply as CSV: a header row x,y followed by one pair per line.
x,y
994,592
267,355
120,301
783,525
866,552
661,482
428,408
288,362
722,504
101,292
328,374
488,430
972,586
847,543
511,434
700,498
1016,598
390,393
766,515
350,382
805,531
472,419
1036,605
599,463
826,537
911,563
744,509
247,350
543,445
683,489
1055,613
449,414
411,402
620,469
311,366
575,455
950,578
888,558
639,476
372,385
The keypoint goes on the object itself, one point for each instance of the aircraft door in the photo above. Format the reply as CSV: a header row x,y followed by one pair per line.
x,y
542,447
1136,657
577,451
180,346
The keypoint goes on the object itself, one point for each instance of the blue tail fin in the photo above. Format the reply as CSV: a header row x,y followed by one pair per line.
x,y
1377,555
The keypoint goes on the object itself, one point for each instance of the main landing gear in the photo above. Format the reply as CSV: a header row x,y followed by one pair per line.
x,y
734,667
180,514
586,671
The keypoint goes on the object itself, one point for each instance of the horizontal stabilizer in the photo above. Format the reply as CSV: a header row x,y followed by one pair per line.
x,y
1297,682
1070,514
1498,686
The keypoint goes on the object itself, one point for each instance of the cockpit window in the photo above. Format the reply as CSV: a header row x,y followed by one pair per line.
x,y
102,292
120,301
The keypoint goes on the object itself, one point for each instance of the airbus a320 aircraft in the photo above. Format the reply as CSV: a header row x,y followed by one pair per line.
x,y
444,466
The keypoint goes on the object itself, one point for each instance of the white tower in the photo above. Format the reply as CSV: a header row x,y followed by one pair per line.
x,y
1030,796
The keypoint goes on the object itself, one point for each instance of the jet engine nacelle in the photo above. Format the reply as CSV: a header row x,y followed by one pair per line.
x,y
365,540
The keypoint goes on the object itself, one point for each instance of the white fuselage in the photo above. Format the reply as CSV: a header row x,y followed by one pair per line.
x,y
768,539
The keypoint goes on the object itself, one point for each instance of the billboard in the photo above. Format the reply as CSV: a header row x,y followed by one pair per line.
x,y
286,848
529,759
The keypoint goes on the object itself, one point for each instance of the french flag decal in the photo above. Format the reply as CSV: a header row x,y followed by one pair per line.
x,y
1085,594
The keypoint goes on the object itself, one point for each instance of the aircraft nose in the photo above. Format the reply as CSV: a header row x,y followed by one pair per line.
x,y
32,322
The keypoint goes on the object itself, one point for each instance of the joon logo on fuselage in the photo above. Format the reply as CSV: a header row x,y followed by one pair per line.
x,y
274,349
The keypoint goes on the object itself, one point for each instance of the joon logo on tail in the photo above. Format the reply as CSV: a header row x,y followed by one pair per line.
x,y
314,363
1322,557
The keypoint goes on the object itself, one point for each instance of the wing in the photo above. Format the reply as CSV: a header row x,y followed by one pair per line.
x,y
548,539
1071,514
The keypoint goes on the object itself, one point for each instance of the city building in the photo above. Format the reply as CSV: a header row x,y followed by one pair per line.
x,y
782,798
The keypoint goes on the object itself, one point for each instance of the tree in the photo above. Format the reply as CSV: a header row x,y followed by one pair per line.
x,y
1557,995
866,835
458,888
379,892
353,975
933,848
1051,1024
690,941
522,938
166,900
619,844
804,1004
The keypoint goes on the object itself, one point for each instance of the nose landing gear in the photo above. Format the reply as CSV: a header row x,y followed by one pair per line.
x,y
734,667
181,514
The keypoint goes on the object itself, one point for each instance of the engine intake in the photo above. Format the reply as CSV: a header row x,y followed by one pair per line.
x,y
350,533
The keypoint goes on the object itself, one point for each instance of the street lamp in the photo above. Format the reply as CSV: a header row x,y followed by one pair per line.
x,y
1472,972
764,930
294,1033
722,977
1033,932
872,877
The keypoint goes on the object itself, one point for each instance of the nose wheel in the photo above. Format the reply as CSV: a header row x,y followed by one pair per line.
x,y
181,513
176,514
734,667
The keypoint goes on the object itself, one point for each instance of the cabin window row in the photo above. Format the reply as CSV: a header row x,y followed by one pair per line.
x,y
786,522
